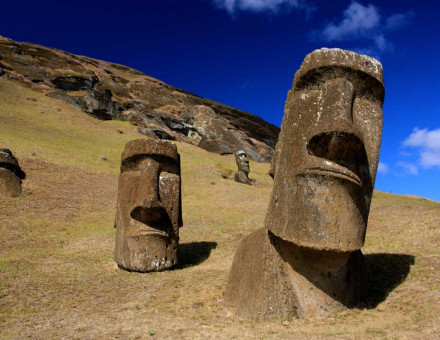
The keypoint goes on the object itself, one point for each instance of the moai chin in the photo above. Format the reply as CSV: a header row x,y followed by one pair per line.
x,y
11,174
243,168
148,212
307,260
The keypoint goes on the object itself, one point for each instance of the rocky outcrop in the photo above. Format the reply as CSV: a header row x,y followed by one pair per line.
x,y
110,91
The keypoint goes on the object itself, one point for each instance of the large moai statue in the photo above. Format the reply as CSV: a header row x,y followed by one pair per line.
x,y
148,212
241,176
307,260
11,174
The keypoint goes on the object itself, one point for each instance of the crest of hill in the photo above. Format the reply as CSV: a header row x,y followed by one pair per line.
x,y
108,91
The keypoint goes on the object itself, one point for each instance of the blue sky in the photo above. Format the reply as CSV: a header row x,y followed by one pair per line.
x,y
244,53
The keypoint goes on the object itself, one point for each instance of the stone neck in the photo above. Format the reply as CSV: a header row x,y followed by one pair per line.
x,y
322,280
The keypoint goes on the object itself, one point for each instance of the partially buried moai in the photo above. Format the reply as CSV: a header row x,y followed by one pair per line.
x,y
148,212
241,176
307,260
11,174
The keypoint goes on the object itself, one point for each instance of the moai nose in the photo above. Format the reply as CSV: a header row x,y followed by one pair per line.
x,y
147,196
337,104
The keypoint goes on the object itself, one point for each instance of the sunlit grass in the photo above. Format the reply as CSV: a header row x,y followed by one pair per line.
x,y
58,279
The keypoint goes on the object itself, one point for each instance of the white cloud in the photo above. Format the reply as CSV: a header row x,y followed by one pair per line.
x,y
382,168
357,20
427,144
274,6
408,168
430,158
424,138
367,24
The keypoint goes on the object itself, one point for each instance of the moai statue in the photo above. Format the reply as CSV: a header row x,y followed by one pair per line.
x,y
243,168
148,212
307,260
11,174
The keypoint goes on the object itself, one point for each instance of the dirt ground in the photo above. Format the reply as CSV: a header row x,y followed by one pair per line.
x,y
58,278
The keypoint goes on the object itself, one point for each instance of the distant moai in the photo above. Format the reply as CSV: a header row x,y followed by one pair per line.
x,y
148,213
11,174
307,261
241,176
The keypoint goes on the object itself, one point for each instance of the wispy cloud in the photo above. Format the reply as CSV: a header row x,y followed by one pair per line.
x,y
357,21
365,24
382,168
398,20
427,143
408,168
273,6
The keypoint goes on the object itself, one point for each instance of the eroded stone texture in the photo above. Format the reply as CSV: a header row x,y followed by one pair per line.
x,y
10,174
307,260
148,213
241,176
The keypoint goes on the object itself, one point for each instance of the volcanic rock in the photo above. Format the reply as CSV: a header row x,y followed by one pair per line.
x,y
110,91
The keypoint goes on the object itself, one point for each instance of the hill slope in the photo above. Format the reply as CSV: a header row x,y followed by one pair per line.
x,y
58,278
110,91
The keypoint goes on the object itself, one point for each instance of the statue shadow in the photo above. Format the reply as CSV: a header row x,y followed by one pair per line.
x,y
194,253
385,273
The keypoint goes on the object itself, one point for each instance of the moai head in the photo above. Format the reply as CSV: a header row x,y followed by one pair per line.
x,y
329,152
10,174
148,213
242,161
243,168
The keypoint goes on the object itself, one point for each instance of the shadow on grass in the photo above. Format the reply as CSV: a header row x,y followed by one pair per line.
x,y
385,272
194,253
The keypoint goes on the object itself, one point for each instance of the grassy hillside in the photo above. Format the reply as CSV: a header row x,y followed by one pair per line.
x,y
111,91
58,279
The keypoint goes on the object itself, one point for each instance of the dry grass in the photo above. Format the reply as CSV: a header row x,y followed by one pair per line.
x,y
58,279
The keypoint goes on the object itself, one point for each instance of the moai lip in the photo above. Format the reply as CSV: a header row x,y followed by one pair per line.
x,y
307,260
242,175
11,175
148,213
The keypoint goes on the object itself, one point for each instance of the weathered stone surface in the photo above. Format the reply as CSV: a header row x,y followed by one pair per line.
x,y
148,213
71,82
110,91
10,174
307,260
242,175
156,133
217,145
98,102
